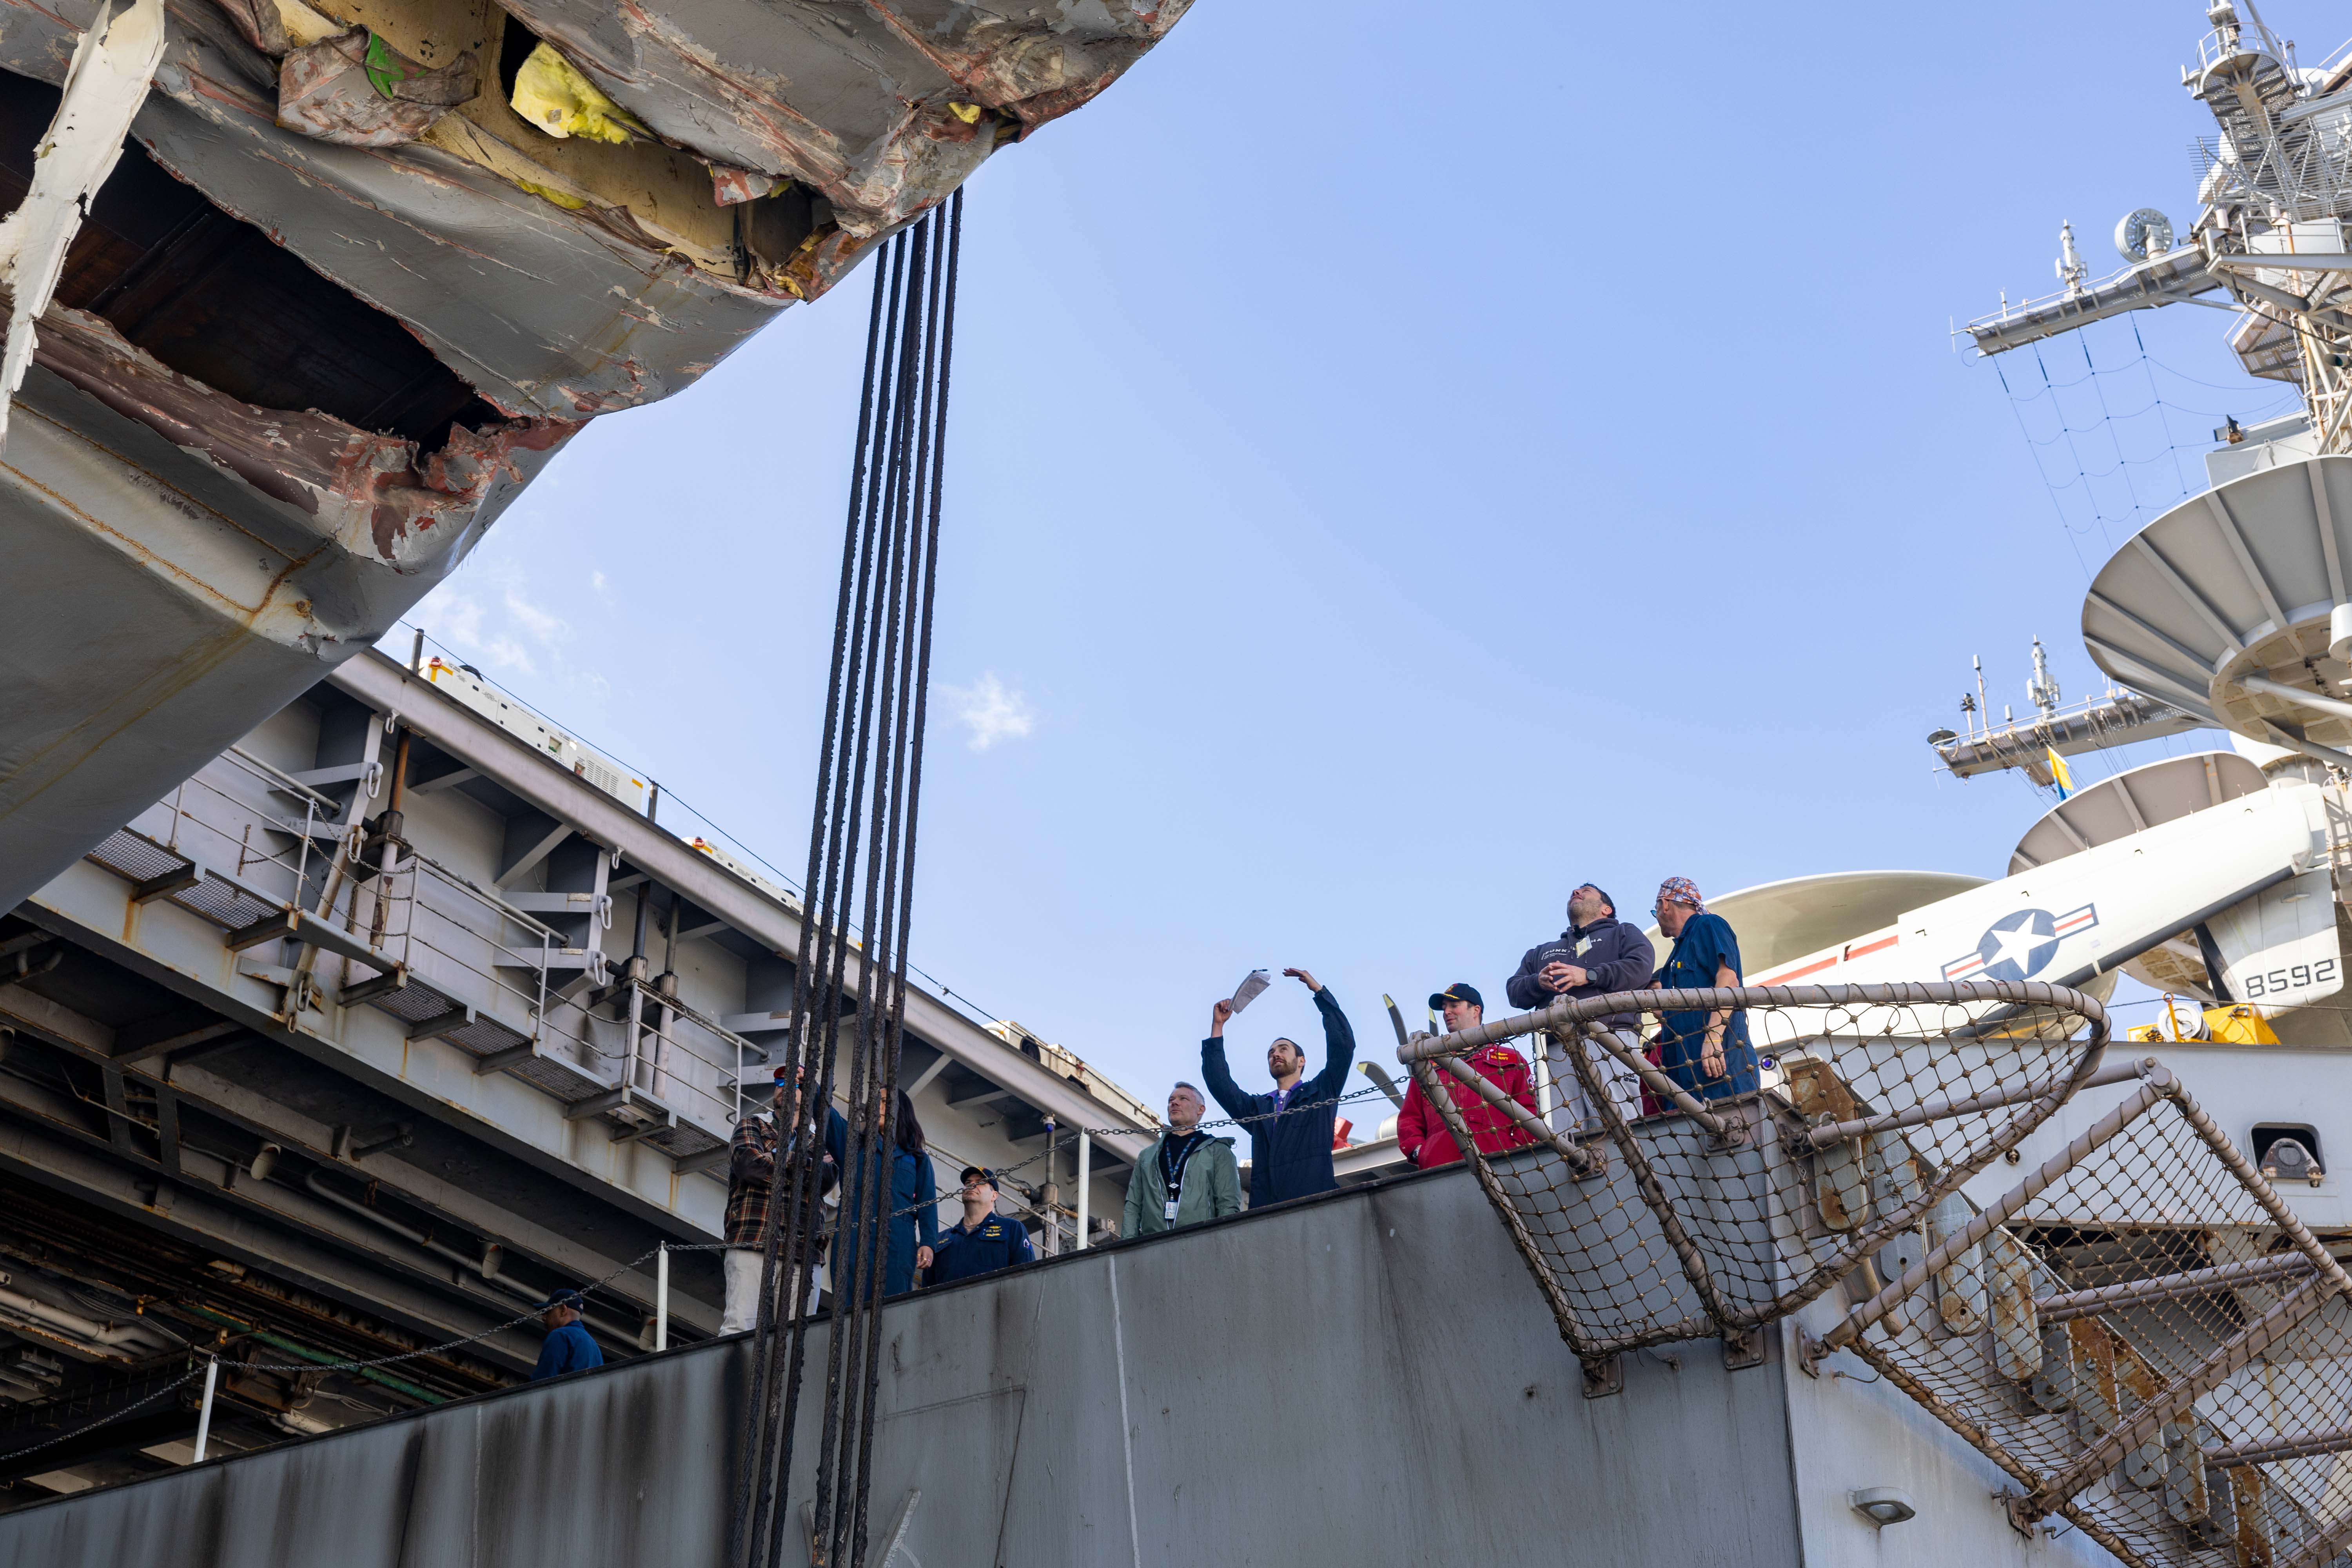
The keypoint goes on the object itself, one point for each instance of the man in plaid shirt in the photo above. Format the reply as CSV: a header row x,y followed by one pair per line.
x,y
750,1188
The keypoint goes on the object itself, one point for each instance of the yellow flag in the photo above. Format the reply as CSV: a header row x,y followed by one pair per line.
x,y
2060,774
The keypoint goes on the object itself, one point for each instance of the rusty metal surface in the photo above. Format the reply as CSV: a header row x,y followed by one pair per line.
x,y
553,306
156,602
857,101
325,90
545,311
375,497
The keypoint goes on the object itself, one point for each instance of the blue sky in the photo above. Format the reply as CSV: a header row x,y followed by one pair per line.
x,y
1401,470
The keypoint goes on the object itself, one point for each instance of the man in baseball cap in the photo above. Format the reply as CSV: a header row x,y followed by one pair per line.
x,y
984,1241
1422,1136
569,1347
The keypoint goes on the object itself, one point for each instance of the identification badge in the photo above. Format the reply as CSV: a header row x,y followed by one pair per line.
x,y
1583,945
1172,1209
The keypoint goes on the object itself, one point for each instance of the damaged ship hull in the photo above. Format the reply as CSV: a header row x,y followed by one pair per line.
x,y
363,269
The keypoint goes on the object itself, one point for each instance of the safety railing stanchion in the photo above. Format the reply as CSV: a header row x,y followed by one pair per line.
x,y
204,1410
661,1298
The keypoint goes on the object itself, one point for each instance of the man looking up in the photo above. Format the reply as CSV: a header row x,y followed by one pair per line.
x,y
1422,1136
1596,955
1185,1177
984,1241
1290,1130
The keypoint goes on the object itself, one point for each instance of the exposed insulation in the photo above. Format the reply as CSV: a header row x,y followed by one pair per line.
x,y
558,100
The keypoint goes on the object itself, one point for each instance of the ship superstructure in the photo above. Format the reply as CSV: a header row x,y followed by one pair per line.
x,y
269,1091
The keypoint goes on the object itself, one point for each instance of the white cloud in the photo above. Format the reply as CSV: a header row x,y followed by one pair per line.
x,y
990,712
457,620
505,653
604,588
513,636
542,625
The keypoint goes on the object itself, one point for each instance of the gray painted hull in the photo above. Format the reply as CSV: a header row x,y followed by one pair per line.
x,y
1367,1378
153,607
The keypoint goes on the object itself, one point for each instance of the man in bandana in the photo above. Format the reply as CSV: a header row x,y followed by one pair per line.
x,y
1706,1050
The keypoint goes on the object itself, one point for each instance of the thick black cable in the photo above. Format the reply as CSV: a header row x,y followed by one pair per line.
x,y
841,885
803,1148
898,868
859,1309
861,863
758,1478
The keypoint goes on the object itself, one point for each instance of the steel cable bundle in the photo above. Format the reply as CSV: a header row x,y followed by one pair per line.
x,y
860,876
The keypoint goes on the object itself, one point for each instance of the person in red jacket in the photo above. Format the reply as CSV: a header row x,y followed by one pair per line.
x,y
1421,1134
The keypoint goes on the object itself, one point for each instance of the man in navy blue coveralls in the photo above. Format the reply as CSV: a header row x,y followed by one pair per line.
x,y
1290,1130
568,1346
984,1241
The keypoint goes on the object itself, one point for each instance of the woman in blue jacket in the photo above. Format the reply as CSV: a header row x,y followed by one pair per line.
x,y
912,1205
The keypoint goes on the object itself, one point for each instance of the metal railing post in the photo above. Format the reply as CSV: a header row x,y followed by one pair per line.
x,y
637,1021
302,855
1085,1173
204,1410
661,1298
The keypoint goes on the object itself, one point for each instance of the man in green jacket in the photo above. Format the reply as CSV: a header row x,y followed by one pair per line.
x,y
1186,1176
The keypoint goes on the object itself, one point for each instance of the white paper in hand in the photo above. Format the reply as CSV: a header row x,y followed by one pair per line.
x,y
1247,991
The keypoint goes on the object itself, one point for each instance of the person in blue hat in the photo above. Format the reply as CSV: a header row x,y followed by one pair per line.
x,y
984,1241
569,1347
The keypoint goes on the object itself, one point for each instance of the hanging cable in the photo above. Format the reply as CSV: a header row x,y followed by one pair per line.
x,y
861,866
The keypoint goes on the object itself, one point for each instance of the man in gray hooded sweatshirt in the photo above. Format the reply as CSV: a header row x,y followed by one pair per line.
x,y
1186,1176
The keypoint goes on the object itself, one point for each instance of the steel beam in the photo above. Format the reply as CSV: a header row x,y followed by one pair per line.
x,y
2171,1286
300,1249
2272,1450
160,1035
1940,1110
532,778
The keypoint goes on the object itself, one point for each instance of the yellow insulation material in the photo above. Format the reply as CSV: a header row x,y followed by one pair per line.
x,y
551,94
305,27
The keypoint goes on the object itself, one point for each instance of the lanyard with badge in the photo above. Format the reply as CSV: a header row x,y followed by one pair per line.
x,y
1173,1171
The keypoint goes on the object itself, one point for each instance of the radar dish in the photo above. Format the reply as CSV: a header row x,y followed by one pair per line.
x,y
2225,607
2142,233
2146,796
